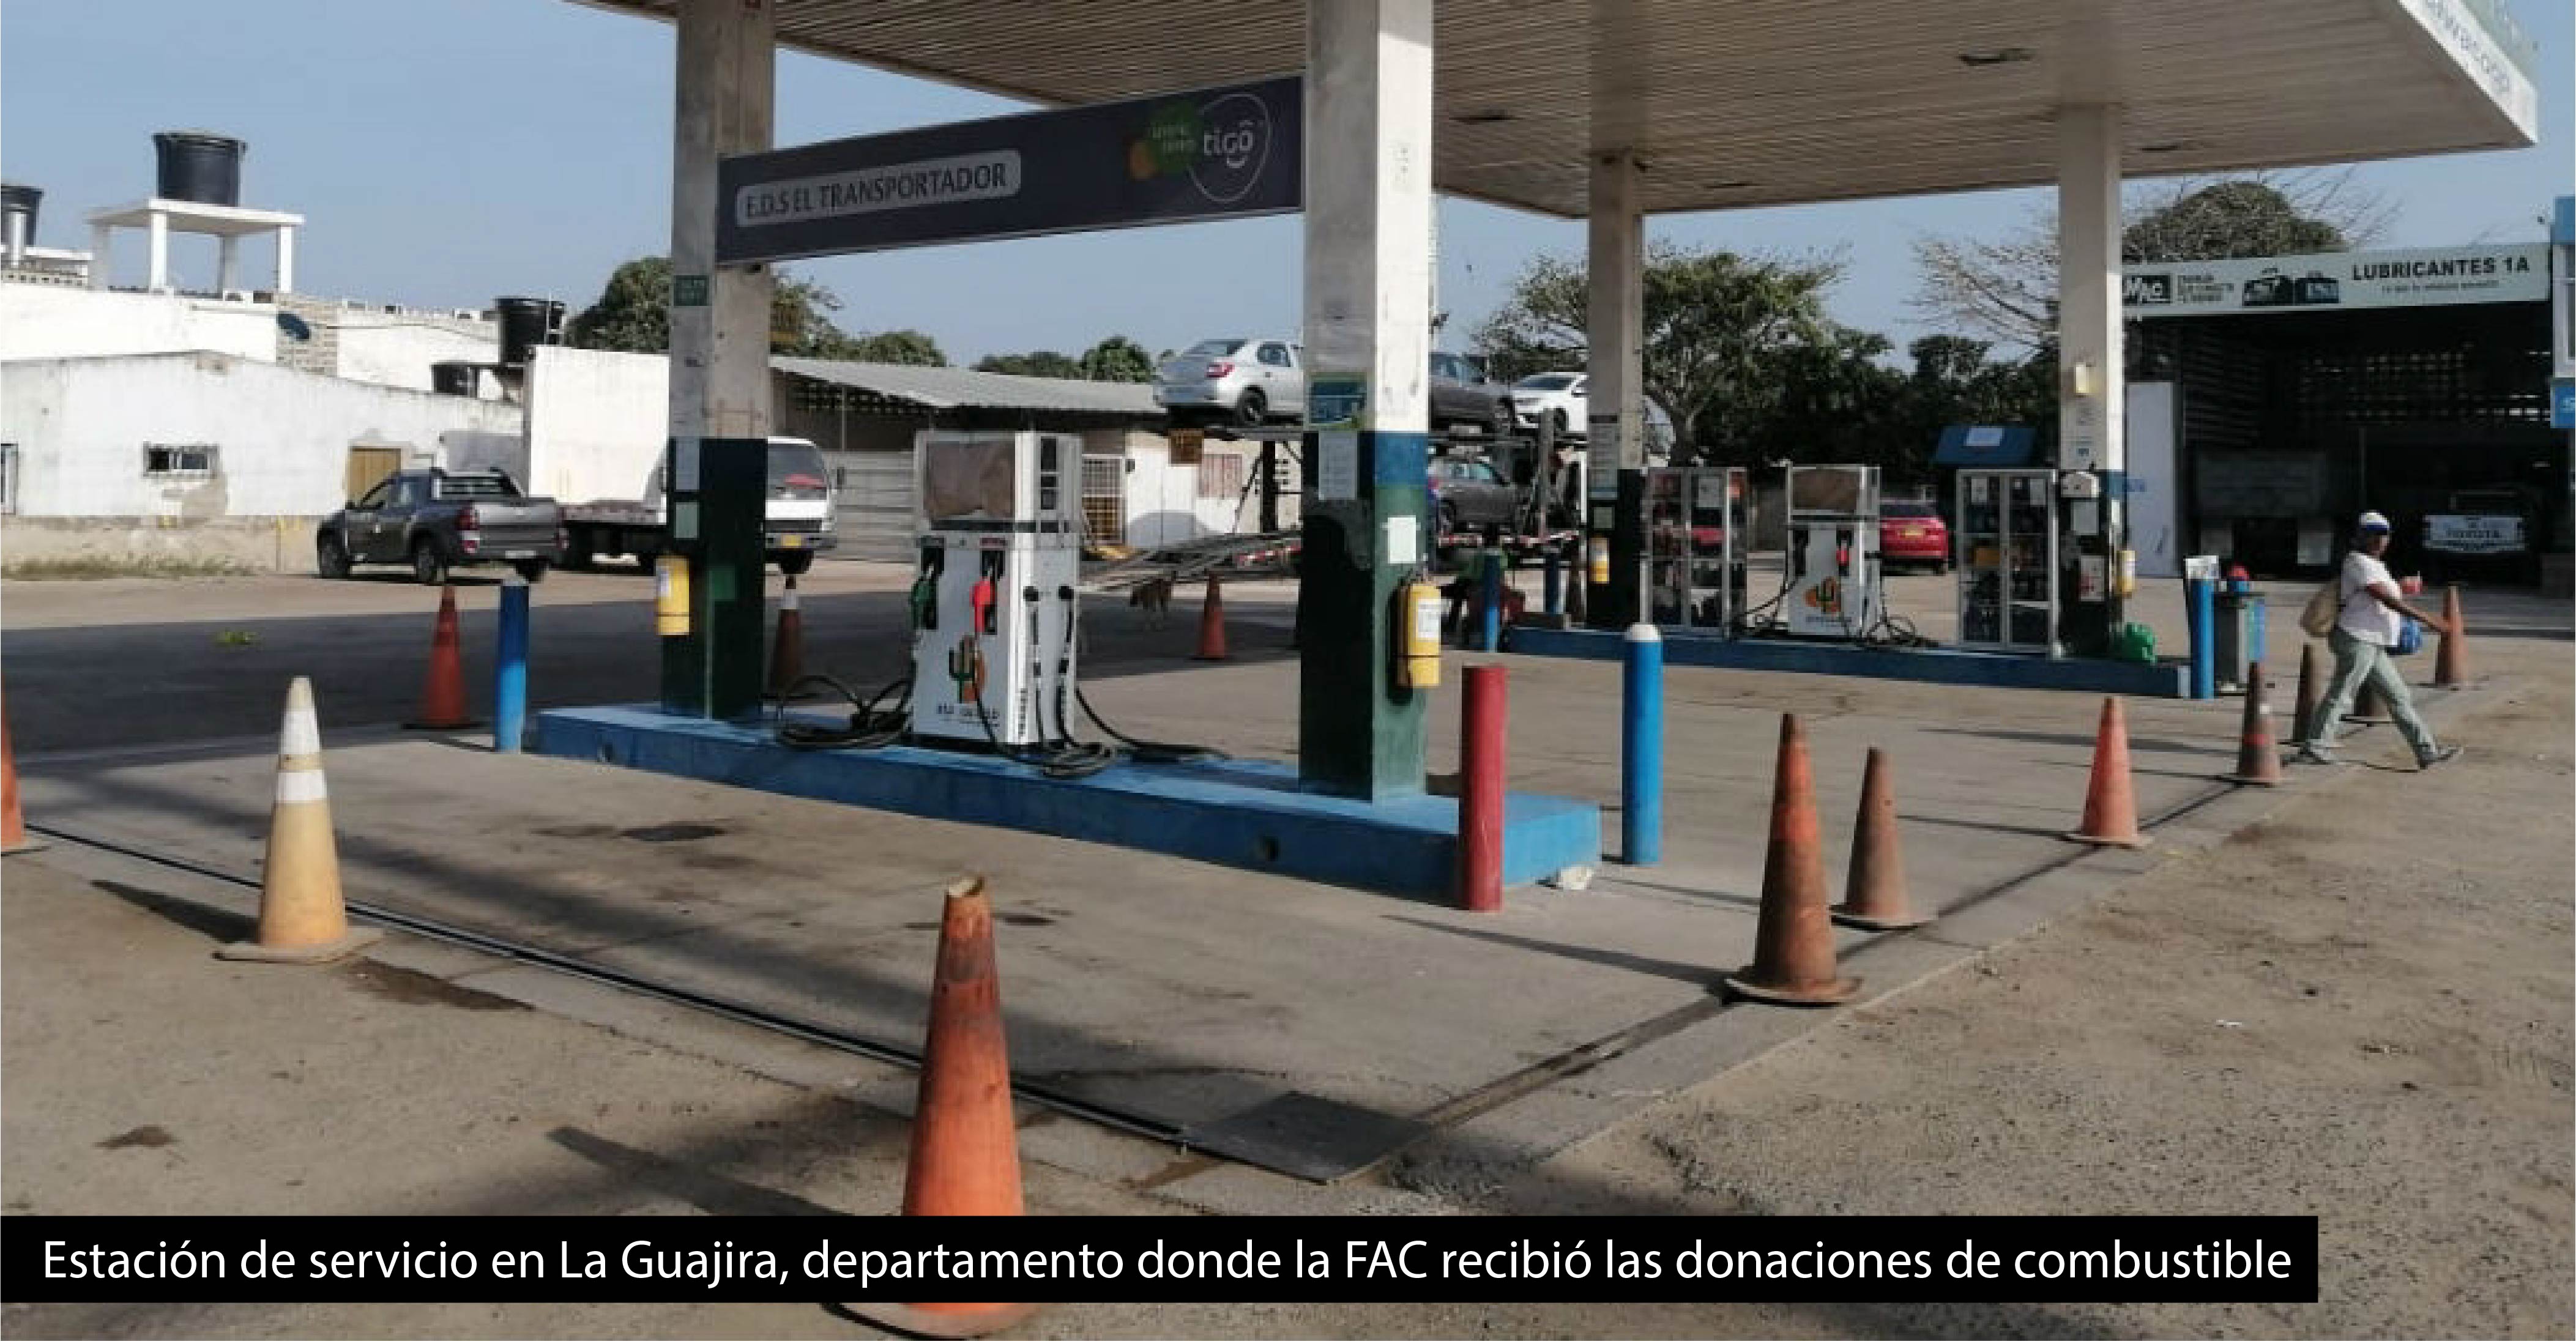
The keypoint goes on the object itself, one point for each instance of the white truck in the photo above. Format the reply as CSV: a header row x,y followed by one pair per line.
x,y
796,524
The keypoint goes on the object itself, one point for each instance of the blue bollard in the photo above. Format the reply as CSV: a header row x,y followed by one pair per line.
x,y
2201,601
1553,592
510,669
1641,748
1491,599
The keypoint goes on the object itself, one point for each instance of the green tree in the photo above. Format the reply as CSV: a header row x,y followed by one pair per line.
x,y
1118,359
633,314
2005,289
911,347
1039,363
1717,329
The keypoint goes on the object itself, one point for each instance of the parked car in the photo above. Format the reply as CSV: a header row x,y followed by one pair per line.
x,y
1463,396
1911,531
1243,381
1470,493
2482,532
436,520
1557,397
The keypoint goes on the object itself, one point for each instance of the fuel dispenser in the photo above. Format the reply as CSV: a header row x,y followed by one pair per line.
x,y
2097,573
993,600
1697,529
708,594
1834,583
2006,537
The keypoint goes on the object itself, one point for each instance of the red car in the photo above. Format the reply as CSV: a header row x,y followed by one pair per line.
x,y
1911,531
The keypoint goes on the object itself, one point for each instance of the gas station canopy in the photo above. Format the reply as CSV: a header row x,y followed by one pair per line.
x,y
1767,102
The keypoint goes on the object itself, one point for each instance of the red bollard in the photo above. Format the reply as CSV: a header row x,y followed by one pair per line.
x,y
1480,790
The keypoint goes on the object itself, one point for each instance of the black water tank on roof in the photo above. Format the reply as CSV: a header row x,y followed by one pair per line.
x,y
456,379
18,212
527,323
199,166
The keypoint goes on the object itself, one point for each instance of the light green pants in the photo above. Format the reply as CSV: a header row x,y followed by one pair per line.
x,y
2354,662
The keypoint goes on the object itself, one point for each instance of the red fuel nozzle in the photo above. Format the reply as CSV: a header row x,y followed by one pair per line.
x,y
982,601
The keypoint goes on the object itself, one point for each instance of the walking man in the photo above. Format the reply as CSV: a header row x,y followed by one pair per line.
x,y
2365,629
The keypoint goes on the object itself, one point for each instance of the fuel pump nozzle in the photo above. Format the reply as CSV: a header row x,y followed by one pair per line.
x,y
925,589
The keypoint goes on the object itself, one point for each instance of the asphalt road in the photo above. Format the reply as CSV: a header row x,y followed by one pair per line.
x,y
134,662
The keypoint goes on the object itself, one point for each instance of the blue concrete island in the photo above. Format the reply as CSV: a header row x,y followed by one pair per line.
x,y
1243,813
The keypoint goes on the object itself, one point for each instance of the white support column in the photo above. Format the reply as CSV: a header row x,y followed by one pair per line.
x,y
228,262
2091,391
286,260
720,336
2088,283
1368,226
157,266
102,244
1615,333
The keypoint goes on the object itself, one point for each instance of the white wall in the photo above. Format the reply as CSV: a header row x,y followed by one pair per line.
x,y
50,321
2155,486
390,349
597,421
1163,503
282,436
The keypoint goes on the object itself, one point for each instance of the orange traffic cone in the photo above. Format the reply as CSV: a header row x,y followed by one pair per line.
x,y
301,918
787,653
442,696
2258,760
2367,705
2306,707
1874,894
2110,804
1793,944
13,826
1212,623
965,1149
2451,664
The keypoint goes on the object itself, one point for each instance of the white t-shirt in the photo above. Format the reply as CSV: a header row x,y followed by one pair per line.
x,y
2363,616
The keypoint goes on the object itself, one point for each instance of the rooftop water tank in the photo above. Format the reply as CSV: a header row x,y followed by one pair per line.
x,y
18,217
527,323
200,166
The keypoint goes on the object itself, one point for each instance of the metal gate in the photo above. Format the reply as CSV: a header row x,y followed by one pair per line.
x,y
876,504
1104,499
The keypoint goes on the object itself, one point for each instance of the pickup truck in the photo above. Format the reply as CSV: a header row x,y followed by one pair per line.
x,y
2481,529
437,520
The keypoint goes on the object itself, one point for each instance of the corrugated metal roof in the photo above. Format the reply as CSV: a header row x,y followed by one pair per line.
x,y
967,389
1765,102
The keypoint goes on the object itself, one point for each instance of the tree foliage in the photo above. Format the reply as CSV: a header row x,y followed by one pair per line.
x,y
1717,327
1037,363
633,314
1118,359
2005,289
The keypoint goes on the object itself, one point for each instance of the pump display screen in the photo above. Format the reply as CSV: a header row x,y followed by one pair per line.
x,y
1823,489
968,479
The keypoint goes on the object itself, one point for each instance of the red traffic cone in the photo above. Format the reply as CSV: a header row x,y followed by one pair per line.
x,y
1212,623
787,651
2110,802
2451,664
2306,708
1874,894
2258,760
1793,944
442,696
965,1148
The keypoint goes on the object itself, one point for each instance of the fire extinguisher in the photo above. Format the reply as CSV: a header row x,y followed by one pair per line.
x,y
671,595
1417,651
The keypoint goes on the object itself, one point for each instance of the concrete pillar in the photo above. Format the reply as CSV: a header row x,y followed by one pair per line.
x,y
2090,385
1615,332
719,317
102,249
227,263
1368,336
286,259
157,265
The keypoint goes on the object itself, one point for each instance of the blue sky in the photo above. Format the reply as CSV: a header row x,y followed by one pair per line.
x,y
447,151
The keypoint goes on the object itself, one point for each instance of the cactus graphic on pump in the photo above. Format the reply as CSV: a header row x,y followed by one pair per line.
x,y
966,669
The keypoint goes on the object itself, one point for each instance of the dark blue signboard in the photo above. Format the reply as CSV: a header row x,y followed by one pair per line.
x,y
1986,446
1216,153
